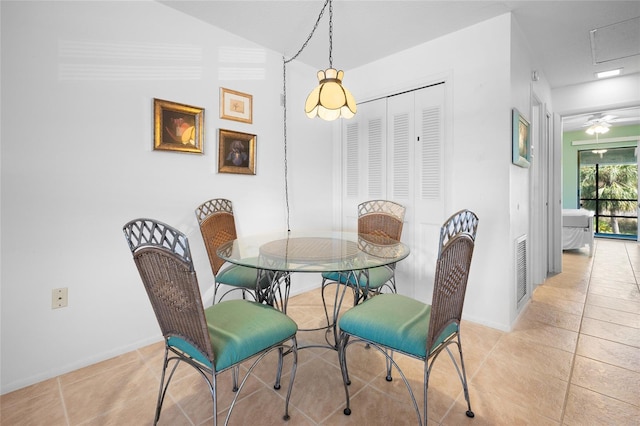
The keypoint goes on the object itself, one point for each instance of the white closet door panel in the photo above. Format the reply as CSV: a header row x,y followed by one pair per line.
x,y
400,147
400,181
394,149
352,168
364,166
429,192
376,157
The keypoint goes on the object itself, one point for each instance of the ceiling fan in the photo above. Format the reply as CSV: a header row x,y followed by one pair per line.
x,y
600,123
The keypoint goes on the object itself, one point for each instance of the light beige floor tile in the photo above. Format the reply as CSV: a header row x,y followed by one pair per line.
x,y
492,410
43,409
551,299
607,379
323,389
546,292
546,314
585,407
478,336
265,405
609,331
372,407
613,303
110,389
567,280
614,274
613,316
624,291
192,394
522,387
544,334
46,387
110,364
363,363
141,411
533,356
609,352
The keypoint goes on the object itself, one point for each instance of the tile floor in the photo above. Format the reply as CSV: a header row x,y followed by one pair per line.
x,y
573,358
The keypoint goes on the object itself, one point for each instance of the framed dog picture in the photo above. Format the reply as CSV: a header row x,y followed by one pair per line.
x,y
237,152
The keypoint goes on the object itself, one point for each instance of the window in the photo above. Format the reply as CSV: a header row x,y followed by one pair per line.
x,y
609,187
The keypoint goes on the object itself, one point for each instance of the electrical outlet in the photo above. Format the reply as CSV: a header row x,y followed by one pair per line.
x,y
59,298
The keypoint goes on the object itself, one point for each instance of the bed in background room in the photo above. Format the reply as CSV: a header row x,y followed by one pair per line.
x,y
577,229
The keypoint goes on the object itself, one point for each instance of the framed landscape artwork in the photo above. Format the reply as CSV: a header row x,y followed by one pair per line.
x,y
520,140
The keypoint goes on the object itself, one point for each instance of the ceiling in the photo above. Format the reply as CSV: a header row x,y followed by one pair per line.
x,y
364,31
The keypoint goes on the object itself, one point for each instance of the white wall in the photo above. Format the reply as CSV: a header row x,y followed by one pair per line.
x,y
603,94
521,186
77,163
475,62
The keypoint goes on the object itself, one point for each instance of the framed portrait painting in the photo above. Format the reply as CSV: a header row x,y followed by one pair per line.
x,y
237,152
236,106
520,140
177,127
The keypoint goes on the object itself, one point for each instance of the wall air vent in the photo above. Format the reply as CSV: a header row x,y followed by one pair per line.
x,y
521,270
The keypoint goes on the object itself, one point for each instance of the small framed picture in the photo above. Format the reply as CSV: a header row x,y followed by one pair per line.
x,y
236,106
237,152
520,140
177,127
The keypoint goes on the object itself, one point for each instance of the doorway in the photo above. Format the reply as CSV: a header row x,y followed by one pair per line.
x,y
608,186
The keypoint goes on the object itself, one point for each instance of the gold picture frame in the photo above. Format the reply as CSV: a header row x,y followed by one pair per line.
x,y
178,127
237,152
236,106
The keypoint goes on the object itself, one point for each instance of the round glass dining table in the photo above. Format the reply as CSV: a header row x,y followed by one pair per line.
x,y
313,251
277,255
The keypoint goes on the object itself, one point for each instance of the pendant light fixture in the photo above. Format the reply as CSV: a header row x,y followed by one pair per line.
x,y
330,100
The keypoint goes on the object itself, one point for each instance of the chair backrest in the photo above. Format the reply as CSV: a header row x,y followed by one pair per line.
x,y
164,262
382,218
462,221
457,241
217,226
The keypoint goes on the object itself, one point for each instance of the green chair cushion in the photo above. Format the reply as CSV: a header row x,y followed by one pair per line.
x,y
239,329
393,320
240,276
189,349
377,277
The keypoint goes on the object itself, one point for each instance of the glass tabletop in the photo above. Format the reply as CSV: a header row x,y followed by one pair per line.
x,y
313,251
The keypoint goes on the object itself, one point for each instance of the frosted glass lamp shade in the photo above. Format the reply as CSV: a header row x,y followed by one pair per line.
x,y
330,100
598,128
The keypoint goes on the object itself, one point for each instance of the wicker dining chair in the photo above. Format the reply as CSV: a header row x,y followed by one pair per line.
x,y
396,323
218,226
211,340
379,218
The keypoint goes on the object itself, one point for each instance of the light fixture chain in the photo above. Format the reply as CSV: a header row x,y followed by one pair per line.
x,y
311,33
284,100
286,171
330,34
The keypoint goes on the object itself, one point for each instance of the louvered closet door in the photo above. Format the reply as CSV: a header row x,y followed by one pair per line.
x,y
394,151
364,155
429,191
400,177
